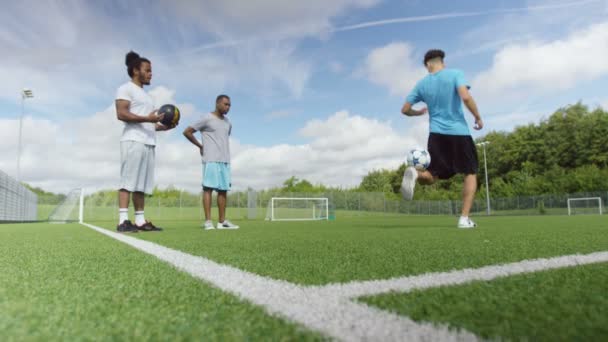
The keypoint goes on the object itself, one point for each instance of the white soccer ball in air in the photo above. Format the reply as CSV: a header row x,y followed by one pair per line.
x,y
419,158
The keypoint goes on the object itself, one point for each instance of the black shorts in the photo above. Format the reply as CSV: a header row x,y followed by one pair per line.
x,y
452,154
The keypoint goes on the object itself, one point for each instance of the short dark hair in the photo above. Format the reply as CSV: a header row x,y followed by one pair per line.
x,y
133,61
432,54
221,97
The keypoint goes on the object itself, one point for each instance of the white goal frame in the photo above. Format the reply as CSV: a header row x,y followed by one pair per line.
x,y
62,211
599,201
313,218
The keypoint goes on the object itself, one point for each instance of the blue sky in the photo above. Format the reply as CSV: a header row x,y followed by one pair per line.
x,y
316,86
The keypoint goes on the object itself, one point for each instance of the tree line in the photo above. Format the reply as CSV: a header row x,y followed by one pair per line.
x,y
564,153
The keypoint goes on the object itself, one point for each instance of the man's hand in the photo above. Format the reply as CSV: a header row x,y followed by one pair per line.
x,y
409,111
161,127
478,124
154,117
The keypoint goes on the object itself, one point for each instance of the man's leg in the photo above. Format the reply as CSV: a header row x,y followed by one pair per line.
x,y
410,177
138,201
123,205
207,203
468,193
139,204
124,195
426,178
221,205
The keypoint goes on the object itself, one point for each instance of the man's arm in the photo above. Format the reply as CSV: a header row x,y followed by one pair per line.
x,y
189,134
124,114
469,102
409,111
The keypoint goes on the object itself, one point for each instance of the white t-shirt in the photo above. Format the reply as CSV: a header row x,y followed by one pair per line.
x,y
141,104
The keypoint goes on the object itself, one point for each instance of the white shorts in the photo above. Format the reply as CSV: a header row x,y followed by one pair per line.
x,y
136,167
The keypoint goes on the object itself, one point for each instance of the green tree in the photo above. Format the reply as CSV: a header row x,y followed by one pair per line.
x,y
378,181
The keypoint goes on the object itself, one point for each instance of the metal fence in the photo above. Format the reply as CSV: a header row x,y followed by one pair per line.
x,y
17,203
351,201
253,205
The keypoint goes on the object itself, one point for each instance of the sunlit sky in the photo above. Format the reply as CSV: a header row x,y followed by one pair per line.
x,y
316,86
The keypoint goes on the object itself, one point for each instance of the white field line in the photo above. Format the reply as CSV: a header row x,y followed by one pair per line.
x,y
330,309
429,280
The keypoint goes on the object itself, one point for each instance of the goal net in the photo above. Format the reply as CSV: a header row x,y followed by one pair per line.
x,y
585,206
297,209
70,209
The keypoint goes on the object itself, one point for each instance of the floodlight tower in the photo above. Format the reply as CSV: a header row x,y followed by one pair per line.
x,y
485,167
25,94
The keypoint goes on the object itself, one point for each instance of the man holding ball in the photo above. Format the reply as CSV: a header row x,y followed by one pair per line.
x,y
135,108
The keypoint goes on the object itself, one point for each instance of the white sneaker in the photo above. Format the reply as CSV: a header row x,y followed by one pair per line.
x,y
466,223
226,225
408,183
208,225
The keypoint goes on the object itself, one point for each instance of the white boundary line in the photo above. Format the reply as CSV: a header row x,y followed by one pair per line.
x,y
330,309
429,280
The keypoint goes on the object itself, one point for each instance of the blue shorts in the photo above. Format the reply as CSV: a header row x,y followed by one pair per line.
x,y
216,176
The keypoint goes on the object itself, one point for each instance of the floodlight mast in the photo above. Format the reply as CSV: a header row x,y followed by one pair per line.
x,y
485,166
25,94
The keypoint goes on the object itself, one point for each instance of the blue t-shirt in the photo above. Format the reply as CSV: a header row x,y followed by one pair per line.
x,y
440,93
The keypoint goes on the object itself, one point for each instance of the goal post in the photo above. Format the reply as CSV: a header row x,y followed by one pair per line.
x,y
298,209
71,209
585,206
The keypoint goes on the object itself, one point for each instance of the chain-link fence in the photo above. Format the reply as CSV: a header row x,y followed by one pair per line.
x,y
253,205
17,203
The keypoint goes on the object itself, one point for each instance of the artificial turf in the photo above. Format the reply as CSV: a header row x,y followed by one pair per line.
x,y
67,283
569,304
366,248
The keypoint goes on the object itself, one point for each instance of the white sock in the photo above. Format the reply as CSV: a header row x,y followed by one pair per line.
x,y
139,218
209,221
464,218
123,215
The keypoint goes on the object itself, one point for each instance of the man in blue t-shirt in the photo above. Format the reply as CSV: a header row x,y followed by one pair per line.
x,y
450,143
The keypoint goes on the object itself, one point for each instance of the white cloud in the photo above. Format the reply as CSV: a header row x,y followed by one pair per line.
x,y
272,19
394,67
72,54
547,66
542,19
64,51
452,15
342,149
61,155
86,152
262,69
259,40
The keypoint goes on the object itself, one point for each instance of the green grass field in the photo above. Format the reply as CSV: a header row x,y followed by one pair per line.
x,y
66,282
560,305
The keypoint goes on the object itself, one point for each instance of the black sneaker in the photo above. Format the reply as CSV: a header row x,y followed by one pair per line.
x,y
149,227
126,227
